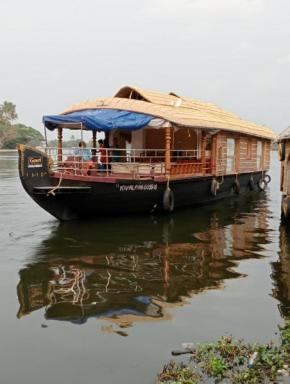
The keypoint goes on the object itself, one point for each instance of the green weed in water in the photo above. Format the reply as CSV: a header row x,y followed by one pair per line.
x,y
227,361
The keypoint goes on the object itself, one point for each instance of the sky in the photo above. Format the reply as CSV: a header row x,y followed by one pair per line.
x,y
235,53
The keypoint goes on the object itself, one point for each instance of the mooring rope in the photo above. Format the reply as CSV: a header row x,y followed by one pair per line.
x,y
221,159
168,180
51,192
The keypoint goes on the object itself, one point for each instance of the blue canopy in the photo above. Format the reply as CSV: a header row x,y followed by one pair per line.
x,y
100,119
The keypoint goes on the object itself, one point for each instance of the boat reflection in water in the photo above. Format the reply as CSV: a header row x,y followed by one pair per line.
x,y
126,270
281,271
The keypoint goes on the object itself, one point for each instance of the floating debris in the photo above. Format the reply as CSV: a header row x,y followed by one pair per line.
x,y
121,333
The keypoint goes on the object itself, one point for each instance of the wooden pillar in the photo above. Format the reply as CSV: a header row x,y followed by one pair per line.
x,y
203,146
167,150
263,154
213,155
94,151
237,154
59,145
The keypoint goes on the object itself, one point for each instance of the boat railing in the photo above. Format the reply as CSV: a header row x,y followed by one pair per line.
x,y
131,163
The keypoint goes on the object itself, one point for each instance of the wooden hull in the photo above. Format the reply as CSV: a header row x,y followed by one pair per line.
x,y
67,197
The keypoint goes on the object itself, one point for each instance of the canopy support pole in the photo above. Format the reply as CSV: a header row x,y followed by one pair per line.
x,y
82,134
59,151
45,135
167,150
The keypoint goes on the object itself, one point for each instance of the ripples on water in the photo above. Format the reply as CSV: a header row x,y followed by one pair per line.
x,y
128,271
111,270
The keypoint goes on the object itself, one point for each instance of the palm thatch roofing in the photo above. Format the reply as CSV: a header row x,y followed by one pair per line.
x,y
285,135
179,111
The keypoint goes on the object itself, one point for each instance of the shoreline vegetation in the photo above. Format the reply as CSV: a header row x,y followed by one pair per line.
x,y
12,133
232,361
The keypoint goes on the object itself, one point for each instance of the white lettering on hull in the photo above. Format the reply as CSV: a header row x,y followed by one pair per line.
x,y
137,187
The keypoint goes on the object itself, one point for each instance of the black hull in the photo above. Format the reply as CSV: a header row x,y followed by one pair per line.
x,y
68,199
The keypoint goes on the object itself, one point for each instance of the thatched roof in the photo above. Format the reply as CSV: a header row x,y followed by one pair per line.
x,y
285,135
178,110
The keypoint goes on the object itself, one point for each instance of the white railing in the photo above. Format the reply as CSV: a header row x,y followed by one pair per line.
x,y
133,163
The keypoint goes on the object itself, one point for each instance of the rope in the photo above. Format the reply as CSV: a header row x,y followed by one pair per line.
x,y
221,157
51,192
221,181
168,179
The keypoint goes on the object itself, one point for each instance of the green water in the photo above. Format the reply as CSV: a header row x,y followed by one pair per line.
x,y
106,301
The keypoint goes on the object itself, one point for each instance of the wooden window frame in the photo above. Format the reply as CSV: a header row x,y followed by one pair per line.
x,y
233,170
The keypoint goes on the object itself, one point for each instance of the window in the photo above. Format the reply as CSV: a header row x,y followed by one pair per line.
x,y
249,149
259,154
230,155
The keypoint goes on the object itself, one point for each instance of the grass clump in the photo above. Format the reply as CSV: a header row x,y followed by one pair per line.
x,y
233,361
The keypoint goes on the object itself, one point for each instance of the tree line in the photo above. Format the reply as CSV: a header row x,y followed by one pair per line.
x,y
12,133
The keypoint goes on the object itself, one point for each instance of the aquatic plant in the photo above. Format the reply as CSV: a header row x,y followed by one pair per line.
x,y
233,361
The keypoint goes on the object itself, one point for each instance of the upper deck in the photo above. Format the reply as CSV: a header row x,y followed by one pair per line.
x,y
154,135
198,155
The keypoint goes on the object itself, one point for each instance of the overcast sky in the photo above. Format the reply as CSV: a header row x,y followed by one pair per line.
x,y
235,53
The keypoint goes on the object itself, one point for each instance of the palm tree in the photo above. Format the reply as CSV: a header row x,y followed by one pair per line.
x,y
8,112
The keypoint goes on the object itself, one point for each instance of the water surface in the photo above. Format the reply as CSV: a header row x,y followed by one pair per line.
x,y
105,301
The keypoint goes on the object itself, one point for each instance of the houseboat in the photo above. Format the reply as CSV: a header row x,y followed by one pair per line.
x,y
284,156
159,152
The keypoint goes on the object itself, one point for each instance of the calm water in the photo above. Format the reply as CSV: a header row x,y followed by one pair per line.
x,y
106,301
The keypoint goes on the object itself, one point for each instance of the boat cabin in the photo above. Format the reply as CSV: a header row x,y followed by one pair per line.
x,y
176,138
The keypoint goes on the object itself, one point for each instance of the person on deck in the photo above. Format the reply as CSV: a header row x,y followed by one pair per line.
x,y
115,153
86,154
105,153
99,154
